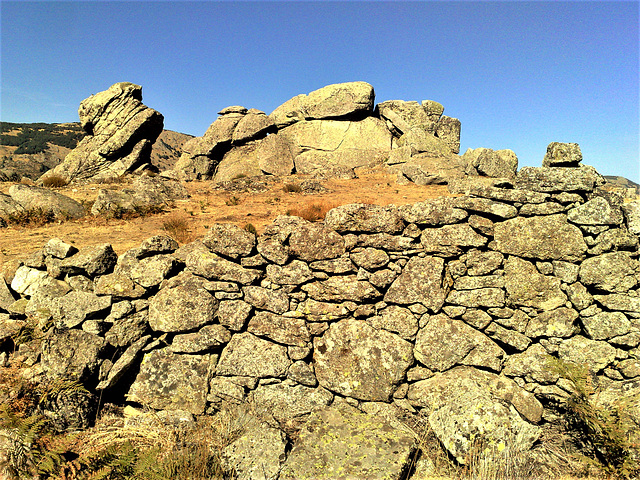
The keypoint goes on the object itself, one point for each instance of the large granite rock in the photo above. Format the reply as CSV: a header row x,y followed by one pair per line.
x,y
342,100
121,131
32,198
250,356
170,381
528,287
344,443
467,406
491,163
419,282
562,155
355,360
545,238
559,179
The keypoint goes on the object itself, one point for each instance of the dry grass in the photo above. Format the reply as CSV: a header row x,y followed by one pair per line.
x,y
312,211
177,226
55,181
292,188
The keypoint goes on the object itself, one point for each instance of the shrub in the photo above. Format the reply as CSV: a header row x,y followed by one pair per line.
x,y
601,429
55,181
249,227
292,188
178,228
31,217
233,200
313,211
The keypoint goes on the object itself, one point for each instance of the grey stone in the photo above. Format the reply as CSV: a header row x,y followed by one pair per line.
x,y
554,323
341,288
458,235
312,241
286,402
558,179
275,301
184,303
359,217
170,381
121,130
614,272
370,258
206,338
27,280
578,295
448,129
229,240
619,302
482,297
214,267
548,208
72,355
118,284
233,314
281,329
514,339
419,282
337,443
123,364
248,355
332,101
562,155
355,360
543,238
613,240
128,329
465,403
485,206
75,307
396,319
605,325
580,350
37,198
294,273
458,344
151,271
90,261
533,365
478,319
258,453
59,249
631,212
482,263
526,287
436,212
302,373
596,211
472,283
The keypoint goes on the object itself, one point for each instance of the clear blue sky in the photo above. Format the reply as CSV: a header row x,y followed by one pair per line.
x,y
518,75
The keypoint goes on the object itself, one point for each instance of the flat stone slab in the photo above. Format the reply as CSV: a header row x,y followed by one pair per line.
x,y
346,444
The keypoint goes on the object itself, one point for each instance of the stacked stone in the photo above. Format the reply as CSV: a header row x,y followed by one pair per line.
x,y
450,306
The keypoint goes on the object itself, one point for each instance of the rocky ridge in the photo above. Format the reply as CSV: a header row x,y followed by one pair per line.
x,y
447,308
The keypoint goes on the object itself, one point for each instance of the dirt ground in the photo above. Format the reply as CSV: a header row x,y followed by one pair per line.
x,y
207,206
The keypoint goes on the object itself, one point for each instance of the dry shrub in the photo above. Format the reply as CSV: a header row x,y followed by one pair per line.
x,y
312,211
292,188
177,226
34,217
55,181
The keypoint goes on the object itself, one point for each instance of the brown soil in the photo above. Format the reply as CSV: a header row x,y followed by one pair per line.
x,y
207,206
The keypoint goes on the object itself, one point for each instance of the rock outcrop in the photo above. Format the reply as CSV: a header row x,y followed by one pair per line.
x,y
120,133
326,133
451,307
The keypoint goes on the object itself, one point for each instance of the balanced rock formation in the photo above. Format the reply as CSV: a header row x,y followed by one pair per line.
x,y
326,133
121,131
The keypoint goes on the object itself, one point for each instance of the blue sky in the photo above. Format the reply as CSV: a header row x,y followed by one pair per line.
x,y
517,74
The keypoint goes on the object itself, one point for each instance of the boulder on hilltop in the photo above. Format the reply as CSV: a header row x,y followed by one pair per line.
x,y
121,131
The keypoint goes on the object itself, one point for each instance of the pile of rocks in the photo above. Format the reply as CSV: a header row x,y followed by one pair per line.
x,y
328,132
449,307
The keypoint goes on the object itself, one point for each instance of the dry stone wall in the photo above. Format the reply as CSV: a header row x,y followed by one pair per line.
x,y
450,307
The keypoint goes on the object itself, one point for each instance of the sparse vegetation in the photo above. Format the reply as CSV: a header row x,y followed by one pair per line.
x,y
233,200
250,227
602,432
292,188
177,227
312,211
34,137
32,217
55,181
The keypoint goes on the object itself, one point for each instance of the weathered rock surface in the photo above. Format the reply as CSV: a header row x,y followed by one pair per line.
x,y
121,131
562,155
345,443
467,404
354,360
32,198
490,163
419,282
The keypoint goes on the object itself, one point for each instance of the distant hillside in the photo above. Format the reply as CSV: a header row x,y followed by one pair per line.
x,y
622,185
30,149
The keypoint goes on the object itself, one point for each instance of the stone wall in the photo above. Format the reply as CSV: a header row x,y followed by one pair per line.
x,y
449,306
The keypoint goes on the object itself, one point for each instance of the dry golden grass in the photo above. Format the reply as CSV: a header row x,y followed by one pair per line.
x,y
312,211
177,226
